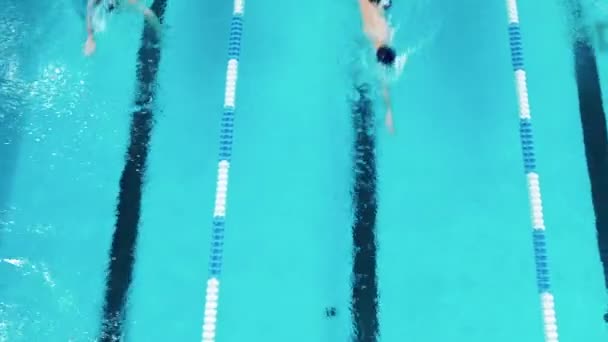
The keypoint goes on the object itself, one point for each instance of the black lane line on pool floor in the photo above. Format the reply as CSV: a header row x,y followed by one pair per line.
x,y
364,301
122,254
593,120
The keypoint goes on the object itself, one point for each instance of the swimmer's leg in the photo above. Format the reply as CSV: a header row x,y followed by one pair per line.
x,y
148,14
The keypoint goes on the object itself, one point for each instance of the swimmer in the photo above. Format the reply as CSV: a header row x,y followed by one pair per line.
x,y
378,32
110,6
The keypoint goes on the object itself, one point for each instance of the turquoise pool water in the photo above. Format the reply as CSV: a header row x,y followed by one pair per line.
x,y
454,239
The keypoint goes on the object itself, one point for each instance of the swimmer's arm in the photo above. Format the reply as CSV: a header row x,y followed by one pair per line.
x,y
364,7
89,18
387,96
389,109
369,16
89,45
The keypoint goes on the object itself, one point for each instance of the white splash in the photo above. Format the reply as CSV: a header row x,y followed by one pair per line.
x,y
15,262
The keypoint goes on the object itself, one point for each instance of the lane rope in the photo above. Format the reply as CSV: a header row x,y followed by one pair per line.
x,y
221,190
527,145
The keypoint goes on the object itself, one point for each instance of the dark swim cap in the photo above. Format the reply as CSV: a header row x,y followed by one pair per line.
x,y
386,55
386,4
112,5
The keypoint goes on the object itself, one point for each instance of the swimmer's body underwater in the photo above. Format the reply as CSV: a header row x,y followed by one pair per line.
x,y
111,6
377,31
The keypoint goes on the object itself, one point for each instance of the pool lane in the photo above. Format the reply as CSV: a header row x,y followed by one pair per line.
x,y
167,297
288,242
575,263
588,51
121,259
595,16
63,196
454,224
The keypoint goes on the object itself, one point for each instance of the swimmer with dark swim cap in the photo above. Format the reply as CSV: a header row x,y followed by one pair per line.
x,y
110,6
377,30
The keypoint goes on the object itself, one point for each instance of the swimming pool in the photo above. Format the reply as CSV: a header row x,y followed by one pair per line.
x,y
454,242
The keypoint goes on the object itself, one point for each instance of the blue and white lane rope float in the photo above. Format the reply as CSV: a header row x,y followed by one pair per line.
x,y
221,190
527,145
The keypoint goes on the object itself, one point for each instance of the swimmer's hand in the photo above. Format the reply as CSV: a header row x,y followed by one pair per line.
x,y
388,121
89,46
